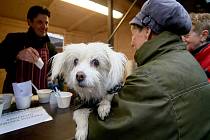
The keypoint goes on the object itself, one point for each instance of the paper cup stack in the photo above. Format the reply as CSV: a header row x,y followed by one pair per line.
x,y
23,94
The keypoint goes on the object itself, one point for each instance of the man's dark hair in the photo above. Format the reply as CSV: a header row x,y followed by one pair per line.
x,y
35,10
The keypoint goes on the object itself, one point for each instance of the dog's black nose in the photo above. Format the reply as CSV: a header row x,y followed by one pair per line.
x,y
80,76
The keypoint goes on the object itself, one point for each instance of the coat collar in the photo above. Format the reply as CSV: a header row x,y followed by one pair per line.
x,y
197,50
161,44
37,41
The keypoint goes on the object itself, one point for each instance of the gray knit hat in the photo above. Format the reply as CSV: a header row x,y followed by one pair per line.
x,y
163,15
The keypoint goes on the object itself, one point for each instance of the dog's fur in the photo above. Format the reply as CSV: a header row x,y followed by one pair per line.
x,y
91,70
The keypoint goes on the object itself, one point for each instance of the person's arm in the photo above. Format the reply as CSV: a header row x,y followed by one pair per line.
x,y
8,51
1,53
12,49
137,111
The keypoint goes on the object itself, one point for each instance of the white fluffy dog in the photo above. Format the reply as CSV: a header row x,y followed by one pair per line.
x,y
95,72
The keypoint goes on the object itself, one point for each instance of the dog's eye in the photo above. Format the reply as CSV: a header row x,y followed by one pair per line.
x,y
75,61
95,62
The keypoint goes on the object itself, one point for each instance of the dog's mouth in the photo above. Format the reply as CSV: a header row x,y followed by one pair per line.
x,y
82,85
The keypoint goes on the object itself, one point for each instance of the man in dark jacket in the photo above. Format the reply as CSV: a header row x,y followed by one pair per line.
x,y
20,51
168,95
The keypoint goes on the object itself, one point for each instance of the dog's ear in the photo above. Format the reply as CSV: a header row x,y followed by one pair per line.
x,y
117,68
57,64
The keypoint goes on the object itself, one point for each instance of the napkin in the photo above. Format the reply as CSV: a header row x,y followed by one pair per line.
x,y
22,89
39,63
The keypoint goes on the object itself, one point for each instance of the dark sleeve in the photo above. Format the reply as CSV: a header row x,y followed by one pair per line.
x,y
9,49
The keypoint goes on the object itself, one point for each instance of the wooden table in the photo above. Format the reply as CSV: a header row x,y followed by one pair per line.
x,y
62,127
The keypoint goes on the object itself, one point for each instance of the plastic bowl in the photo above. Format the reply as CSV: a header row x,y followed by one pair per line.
x,y
44,95
7,99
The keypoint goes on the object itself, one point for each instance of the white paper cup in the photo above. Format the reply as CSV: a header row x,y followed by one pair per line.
x,y
23,102
63,99
44,95
53,99
1,107
7,99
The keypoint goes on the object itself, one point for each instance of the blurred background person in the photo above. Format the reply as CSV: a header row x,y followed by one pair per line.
x,y
198,38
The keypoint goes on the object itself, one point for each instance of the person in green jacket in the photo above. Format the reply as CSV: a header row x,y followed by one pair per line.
x,y
168,96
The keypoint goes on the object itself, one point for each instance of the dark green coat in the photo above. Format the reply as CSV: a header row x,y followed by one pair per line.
x,y
166,98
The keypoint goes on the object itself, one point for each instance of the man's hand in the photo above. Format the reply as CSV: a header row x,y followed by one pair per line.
x,y
30,55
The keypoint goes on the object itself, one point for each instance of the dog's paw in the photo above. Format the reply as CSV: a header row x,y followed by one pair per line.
x,y
104,109
81,134
80,116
